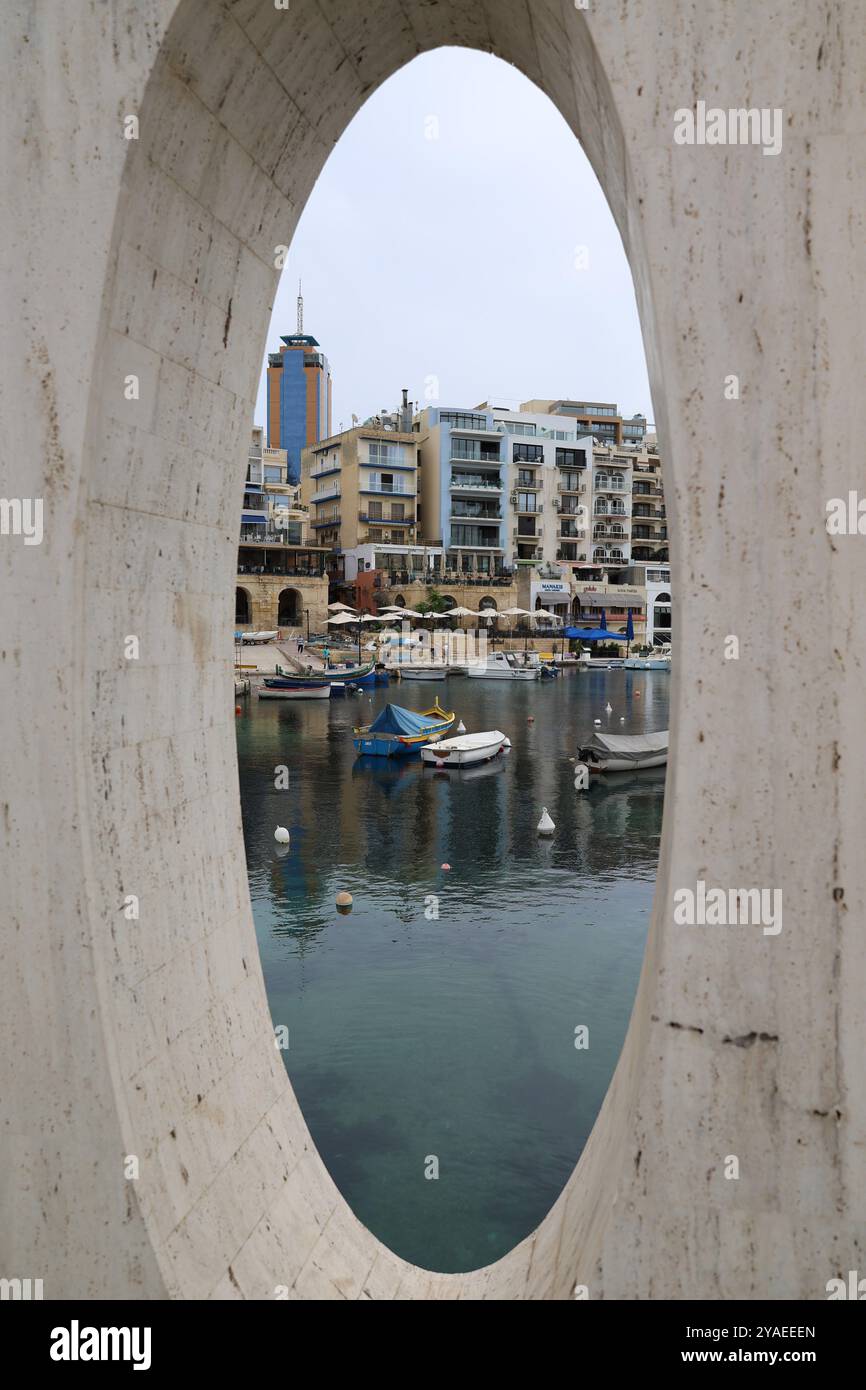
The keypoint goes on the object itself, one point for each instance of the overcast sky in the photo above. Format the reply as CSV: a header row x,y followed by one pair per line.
x,y
440,246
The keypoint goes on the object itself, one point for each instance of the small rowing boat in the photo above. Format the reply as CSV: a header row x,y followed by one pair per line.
x,y
465,750
396,732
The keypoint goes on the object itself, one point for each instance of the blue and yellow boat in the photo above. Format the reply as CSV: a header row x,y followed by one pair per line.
x,y
396,732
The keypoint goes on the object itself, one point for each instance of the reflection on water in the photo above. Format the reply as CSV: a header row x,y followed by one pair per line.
x,y
415,1035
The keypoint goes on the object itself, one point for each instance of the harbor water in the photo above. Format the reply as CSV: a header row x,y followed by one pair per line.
x,y
434,1028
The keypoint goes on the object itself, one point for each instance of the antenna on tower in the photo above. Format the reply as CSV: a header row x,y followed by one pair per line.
x,y
300,309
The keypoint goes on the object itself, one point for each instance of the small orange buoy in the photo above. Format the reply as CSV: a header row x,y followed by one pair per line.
x,y
446,867
238,709
637,694
344,903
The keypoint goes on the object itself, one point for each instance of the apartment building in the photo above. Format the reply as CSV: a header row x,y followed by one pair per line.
x,y
549,487
361,488
464,482
601,419
649,516
281,569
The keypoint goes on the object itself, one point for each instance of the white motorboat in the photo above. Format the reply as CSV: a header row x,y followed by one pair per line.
x,y
624,752
411,672
298,692
649,659
258,639
464,750
502,666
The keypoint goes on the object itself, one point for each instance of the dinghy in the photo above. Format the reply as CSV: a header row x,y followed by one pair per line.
x,y
465,750
624,752
396,732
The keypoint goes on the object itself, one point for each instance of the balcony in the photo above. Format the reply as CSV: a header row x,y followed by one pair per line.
x,y
326,521
478,460
388,490
524,537
324,472
480,517
581,487
611,486
407,522
616,515
574,535
328,491
473,484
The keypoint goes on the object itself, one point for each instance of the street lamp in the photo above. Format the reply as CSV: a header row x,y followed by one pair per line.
x,y
307,616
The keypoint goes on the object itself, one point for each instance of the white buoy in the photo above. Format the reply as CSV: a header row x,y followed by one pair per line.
x,y
281,835
545,825
622,719
461,727
596,721
608,709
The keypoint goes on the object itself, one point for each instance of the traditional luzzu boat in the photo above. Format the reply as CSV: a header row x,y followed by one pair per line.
x,y
296,692
396,732
624,752
334,676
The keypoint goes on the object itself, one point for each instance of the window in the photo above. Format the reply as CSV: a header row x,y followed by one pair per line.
x,y
397,511
374,511
528,453
456,420
525,477
526,526
570,482
526,502
520,427
571,458
397,537
385,455
474,449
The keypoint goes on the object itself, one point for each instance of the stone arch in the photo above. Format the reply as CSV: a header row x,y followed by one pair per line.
x,y
490,603
175,239
290,608
243,608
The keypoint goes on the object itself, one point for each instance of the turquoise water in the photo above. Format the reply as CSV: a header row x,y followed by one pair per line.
x,y
413,1037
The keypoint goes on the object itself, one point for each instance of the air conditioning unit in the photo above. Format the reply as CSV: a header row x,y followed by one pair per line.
x,y
557,504
513,499
540,507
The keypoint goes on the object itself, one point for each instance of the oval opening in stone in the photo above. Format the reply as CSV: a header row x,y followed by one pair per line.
x,y
451,1038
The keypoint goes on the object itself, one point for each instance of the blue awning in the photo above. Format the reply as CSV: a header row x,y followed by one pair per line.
x,y
254,518
593,634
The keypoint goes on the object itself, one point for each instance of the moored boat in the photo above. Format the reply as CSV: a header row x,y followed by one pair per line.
x,y
295,692
396,732
649,659
624,752
502,666
334,675
422,673
464,750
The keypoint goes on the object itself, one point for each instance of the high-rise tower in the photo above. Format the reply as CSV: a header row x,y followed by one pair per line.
x,y
299,395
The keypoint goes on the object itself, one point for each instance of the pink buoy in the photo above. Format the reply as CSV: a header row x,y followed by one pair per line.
x,y
446,867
